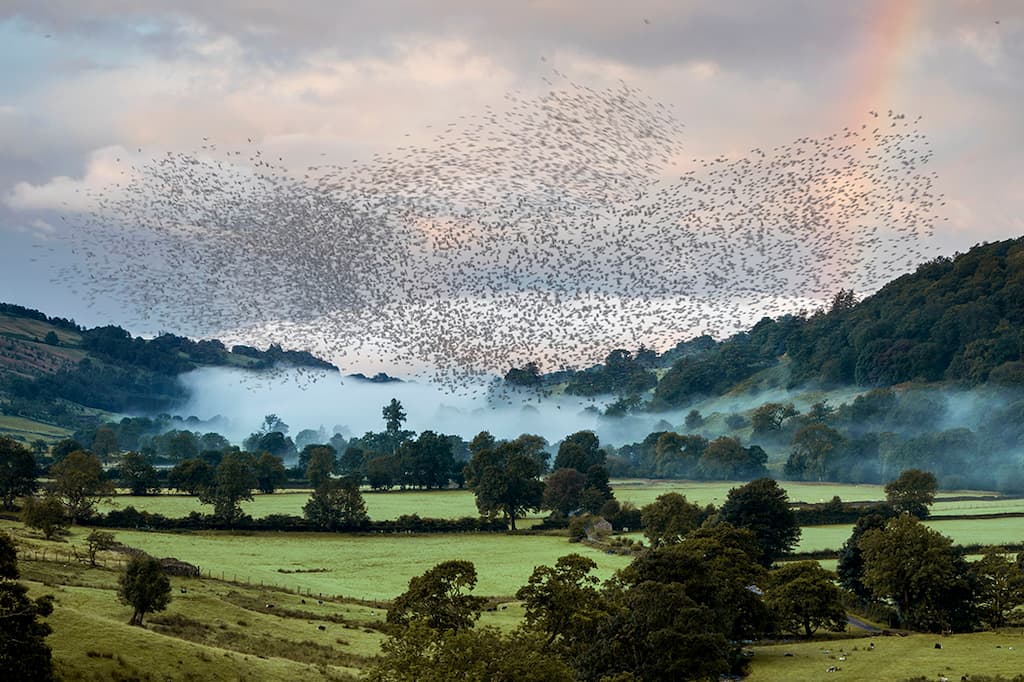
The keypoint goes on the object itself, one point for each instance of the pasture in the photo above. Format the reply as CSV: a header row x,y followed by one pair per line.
x,y
893,658
371,567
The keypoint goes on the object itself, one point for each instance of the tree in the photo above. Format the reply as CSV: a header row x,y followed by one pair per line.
x,y
850,567
427,461
440,598
563,491
144,587
104,443
681,611
693,420
98,541
814,450
394,416
669,518
337,503
769,417
580,451
725,458
138,475
919,570
763,507
24,654
233,483
803,597
191,476
79,482
563,601
1000,584
269,472
913,492
505,476
17,471
46,513
418,653
321,464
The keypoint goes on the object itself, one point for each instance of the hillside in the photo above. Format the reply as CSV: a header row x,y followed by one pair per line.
x,y
54,372
958,320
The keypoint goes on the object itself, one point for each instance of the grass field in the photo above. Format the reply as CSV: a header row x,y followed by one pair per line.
x,y
962,532
215,630
893,658
31,430
362,566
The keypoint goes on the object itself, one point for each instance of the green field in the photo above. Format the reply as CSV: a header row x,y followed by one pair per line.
x,y
962,532
31,430
361,566
893,658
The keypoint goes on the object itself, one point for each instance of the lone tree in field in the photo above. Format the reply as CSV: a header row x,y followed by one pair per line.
x,y
45,513
98,541
144,587
440,598
913,492
17,471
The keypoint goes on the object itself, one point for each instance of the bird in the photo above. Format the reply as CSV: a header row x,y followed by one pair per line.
x,y
545,231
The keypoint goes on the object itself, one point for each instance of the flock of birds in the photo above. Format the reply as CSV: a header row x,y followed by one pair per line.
x,y
552,230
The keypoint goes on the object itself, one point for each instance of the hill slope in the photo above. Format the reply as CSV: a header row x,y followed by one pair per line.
x,y
55,372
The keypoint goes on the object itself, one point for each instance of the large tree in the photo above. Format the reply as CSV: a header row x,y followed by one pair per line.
x,y
269,472
232,484
563,601
337,503
320,463
421,654
579,451
440,598
1000,586
913,492
669,518
144,587
138,475
803,597
763,507
505,476
191,476
24,654
919,571
46,513
563,491
427,462
726,458
79,482
17,471
815,450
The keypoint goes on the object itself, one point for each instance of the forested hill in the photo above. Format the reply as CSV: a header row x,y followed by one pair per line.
x,y
53,370
958,319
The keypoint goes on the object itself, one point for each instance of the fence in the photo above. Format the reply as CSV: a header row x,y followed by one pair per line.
x,y
73,556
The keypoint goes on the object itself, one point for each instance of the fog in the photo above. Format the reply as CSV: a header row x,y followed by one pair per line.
x,y
352,406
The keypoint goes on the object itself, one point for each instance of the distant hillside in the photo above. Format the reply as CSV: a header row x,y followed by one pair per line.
x,y
56,372
958,320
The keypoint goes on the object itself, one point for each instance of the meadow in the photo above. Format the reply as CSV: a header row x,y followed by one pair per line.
x,y
218,626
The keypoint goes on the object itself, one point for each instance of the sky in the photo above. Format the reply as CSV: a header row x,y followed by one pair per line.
x,y
86,82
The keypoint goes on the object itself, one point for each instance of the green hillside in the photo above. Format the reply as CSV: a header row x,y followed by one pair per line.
x,y
56,375
958,320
